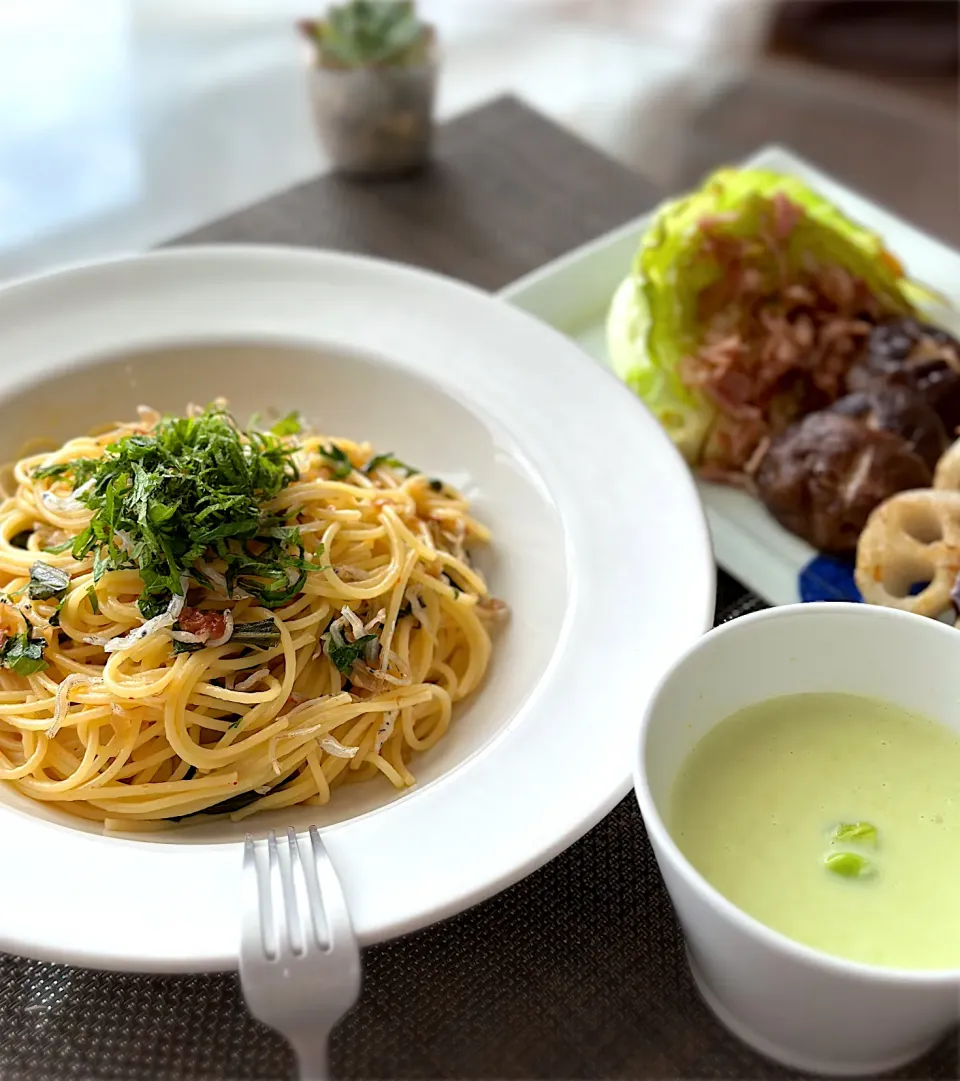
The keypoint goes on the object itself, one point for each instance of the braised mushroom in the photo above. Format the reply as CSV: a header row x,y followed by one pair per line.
x,y
900,410
823,476
909,353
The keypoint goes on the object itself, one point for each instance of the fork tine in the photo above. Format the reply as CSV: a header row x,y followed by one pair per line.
x,y
318,916
281,877
292,879
272,918
273,977
252,924
336,913
258,922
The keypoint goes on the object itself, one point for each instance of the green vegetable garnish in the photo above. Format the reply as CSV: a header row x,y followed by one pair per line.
x,y
56,470
233,803
343,653
151,606
389,459
47,582
848,864
264,634
227,806
291,424
24,655
338,461
192,487
855,833
56,549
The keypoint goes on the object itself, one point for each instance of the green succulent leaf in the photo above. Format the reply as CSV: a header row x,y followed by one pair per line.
x,y
372,33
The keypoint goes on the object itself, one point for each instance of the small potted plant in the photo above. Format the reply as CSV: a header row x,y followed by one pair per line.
x,y
373,85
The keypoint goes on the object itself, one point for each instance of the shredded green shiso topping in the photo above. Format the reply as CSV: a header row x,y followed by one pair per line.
x,y
191,488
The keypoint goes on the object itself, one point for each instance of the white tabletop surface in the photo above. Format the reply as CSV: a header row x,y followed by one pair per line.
x,y
125,122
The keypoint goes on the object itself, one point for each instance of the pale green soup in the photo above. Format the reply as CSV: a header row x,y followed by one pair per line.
x,y
833,819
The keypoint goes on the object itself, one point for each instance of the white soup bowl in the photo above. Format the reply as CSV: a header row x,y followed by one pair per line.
x,y
804,1008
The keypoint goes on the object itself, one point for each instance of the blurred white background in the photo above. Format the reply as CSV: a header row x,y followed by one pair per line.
x,y
124,122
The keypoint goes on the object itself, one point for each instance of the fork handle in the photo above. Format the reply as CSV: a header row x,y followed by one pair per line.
x,y
312,1058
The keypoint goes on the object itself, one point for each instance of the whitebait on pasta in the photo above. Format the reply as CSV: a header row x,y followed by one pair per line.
x,y
230,621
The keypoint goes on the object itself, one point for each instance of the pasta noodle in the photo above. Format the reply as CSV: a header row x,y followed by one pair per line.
x,y
233,691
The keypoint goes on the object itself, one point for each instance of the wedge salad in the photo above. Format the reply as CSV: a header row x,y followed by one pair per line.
x,y
754,303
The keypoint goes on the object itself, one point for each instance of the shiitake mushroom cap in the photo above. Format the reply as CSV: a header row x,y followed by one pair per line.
x,y
822,477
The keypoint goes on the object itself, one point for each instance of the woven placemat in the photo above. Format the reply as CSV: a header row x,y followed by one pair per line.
x,y
576,972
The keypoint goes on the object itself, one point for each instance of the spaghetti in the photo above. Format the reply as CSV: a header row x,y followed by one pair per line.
x,y
202,619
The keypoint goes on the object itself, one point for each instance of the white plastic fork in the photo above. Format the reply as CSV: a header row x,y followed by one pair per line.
x,y
299,958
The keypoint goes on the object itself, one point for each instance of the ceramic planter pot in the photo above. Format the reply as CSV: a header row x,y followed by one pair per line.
x,y
375,121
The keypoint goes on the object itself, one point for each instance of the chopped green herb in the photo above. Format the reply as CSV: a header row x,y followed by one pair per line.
x,y
231,804
280,586
56,549
55,470
23,655
289,534
101,563
185,647
391,461
855,833
342,653
264,634
47,582
191,486
292,424
338,461
80,470
238,802
93,599
848,864
54,619
151,606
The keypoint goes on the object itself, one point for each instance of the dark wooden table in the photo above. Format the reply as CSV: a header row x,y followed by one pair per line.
x,y
890,144
576,972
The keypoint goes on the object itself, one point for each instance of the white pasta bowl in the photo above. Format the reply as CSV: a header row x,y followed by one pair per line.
x,y
600,549
794,1004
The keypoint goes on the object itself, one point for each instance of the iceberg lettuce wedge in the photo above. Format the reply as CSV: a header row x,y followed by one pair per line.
x,y
655,318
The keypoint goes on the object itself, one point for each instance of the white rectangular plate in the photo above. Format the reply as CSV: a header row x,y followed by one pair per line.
x,y
573,293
